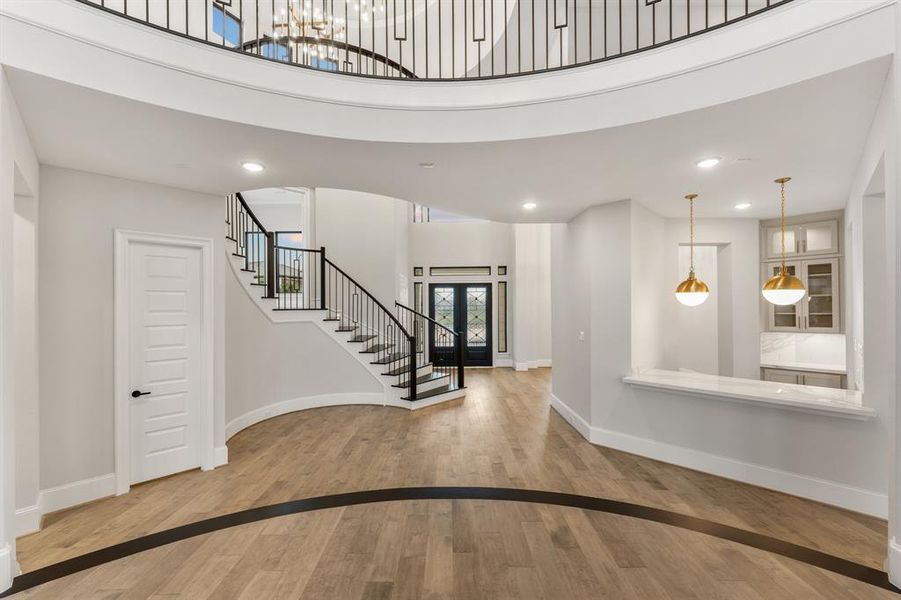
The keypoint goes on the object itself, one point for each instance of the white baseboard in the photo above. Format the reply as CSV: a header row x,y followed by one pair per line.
x,y
220,456
77,492
532,364
571,417
28,520
7,567
893,564
503,362
822,490
280,408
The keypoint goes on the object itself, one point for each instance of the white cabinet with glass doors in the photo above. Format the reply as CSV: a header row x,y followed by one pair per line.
x,y
819,311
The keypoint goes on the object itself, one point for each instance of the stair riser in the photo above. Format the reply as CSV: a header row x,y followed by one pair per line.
x,y
425,370
422,387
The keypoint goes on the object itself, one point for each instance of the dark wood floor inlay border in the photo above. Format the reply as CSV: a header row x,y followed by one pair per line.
x,y
803,554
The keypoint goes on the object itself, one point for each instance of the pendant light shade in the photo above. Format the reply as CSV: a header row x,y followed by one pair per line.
x,y
784,288
692,291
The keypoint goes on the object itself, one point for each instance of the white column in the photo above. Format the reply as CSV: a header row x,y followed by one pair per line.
x,y
7,199
893,265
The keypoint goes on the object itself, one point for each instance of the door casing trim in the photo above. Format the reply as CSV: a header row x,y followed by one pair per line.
x,y
123,239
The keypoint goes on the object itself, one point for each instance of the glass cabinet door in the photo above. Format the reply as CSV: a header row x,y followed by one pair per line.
x,y
820,238
774,242
822,300
784,318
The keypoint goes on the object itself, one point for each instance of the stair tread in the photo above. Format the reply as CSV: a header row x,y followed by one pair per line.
x,y
362,338
334,319
433,392
424,379
345,329
394,356
403,369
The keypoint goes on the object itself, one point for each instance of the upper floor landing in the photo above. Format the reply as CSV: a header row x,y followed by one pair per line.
x,y
440,71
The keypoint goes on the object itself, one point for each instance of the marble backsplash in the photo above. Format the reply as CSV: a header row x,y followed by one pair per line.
x,y
815,348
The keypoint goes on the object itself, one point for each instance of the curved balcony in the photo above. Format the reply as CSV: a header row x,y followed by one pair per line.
x,y
437,40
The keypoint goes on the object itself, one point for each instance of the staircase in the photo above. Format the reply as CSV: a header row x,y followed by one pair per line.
x,y
299,284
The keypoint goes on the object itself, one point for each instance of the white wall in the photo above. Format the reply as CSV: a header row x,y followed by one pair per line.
x,y
736,269
78,214
827,458
571,260
468,244
531,300
650,287
591,309
18,176
279,209
26,383
267,363
361,232
692,334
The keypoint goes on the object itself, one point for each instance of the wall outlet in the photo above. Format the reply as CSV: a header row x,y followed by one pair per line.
x,y
581,336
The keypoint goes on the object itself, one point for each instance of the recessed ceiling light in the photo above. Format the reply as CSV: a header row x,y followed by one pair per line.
x,y
427,165
529,205
709,163
743,206
253,167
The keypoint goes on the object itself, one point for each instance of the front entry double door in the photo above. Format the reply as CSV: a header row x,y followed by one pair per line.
x,y
463,307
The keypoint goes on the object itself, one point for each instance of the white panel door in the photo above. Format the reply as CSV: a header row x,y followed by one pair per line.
x,y
165,356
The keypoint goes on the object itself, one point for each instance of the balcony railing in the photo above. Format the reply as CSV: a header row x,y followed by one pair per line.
x,y
437,39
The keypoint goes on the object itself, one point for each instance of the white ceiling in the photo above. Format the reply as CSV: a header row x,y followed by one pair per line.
x,y
813,131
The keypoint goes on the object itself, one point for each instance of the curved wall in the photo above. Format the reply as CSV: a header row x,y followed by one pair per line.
x,y
275,367
78,44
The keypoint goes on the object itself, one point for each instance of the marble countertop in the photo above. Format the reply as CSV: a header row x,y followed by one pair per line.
x,y
805,366
843,403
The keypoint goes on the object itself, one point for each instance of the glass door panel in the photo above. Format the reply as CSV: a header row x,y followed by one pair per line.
x,y
477,343
822,295
774,241
821,238
784,318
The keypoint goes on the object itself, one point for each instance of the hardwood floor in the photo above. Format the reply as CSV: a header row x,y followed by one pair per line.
x,y
465,549
502,434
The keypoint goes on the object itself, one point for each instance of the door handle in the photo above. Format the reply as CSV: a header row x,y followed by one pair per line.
x,y
137,393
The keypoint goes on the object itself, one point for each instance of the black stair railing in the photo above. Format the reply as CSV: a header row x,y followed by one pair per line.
x,y
304,279
438,344
294,277
252,242
437,40
373,326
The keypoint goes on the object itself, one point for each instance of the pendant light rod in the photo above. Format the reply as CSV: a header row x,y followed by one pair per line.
x,y
783,289
691,232
692,291
782,181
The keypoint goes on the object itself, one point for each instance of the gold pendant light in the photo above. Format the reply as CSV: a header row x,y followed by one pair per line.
x,y
692,291
783,289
